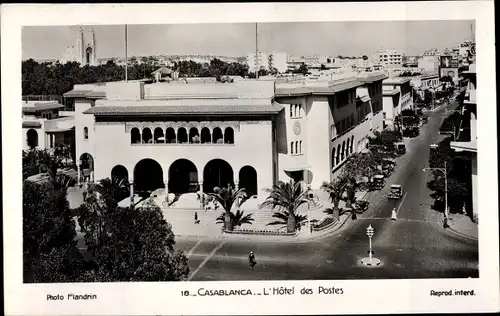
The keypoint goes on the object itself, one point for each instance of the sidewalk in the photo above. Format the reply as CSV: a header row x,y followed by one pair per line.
x,y
463,225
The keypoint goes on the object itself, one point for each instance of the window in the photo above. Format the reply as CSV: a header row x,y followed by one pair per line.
x,y
300,147
291,110
291,148
85,133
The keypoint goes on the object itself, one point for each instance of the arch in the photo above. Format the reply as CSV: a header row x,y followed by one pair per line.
x,y
217,137
217,173
148,175
342,153
333,157
347,147
170,137
291,110
158,136
182,177
182,136
297,147
32,138
291,148
248,180
352,144
85,133
338,155
88,55
194,136
206,137
119,174
300,147
135,136
229,135
86,166
147,137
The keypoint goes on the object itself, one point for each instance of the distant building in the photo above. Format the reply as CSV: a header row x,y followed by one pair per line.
x,y
389,58
85,50
428,63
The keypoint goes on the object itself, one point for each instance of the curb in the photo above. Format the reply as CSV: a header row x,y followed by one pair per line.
x,y
455,231
294,239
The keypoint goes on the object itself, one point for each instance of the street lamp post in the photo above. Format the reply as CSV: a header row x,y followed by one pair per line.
x,y
370,231
309,210
444,171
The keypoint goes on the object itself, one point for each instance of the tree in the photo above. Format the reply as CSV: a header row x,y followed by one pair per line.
x,y
359,166
226,197
50,253
386,139
286,198
335,190
139,247
237,219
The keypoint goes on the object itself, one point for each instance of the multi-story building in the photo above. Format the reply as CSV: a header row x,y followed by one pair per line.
x,y
425,81
389,58
466,140
45,126
193,137
397,96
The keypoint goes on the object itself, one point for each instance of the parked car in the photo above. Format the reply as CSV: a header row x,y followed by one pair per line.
x,y
377,182
362,205
400,148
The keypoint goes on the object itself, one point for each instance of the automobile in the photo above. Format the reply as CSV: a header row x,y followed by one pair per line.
x,y
434,146
396,191
362,205
378,182
400,148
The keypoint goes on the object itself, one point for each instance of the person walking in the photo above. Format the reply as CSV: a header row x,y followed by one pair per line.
x,y
251,260
196,221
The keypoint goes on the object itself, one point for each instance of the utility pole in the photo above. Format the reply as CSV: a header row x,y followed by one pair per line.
x,y
126,59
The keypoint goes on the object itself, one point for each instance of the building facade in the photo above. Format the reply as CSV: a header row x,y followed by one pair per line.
x,y
389,58
44,125
193,137
397,96
466,144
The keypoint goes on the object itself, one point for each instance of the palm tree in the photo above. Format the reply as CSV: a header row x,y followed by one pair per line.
x,y
226,197
237,219
287,197
335,190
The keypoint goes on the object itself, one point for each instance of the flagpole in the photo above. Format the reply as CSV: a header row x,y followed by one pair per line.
x,y
256,54
126,59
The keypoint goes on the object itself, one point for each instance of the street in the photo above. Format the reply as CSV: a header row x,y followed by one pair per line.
x,y
414,246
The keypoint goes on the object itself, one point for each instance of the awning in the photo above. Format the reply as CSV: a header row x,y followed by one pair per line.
x,y
59,130
297,168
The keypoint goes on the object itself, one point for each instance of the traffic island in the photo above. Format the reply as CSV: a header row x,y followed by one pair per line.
x,y
371,262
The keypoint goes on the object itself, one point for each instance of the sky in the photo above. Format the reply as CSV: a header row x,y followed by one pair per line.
x,y
238,39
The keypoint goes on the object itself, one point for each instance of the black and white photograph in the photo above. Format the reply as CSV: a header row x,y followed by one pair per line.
x,y
250,151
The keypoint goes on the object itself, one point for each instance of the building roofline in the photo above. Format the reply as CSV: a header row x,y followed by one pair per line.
x,y
274,108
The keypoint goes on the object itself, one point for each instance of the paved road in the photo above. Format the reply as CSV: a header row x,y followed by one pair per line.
x,y
414,246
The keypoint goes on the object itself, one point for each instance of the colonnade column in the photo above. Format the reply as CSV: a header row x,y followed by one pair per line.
x,y
131,192
200,183
236,188
166,192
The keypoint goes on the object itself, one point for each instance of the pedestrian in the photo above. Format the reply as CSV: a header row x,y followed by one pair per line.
x,y
251,260
196,221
